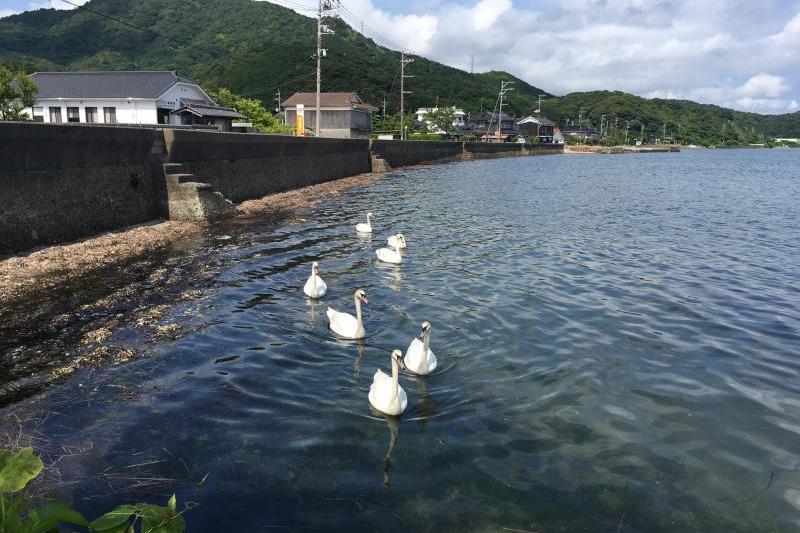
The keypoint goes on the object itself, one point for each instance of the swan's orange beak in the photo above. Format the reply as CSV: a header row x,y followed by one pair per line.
x,y
364,299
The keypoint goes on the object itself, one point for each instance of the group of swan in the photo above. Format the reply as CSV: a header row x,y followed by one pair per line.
x,y
396,243
385,394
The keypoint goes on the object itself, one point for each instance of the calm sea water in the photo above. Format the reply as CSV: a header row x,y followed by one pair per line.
x,y
618,339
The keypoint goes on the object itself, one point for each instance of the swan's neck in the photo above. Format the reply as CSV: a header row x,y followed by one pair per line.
x,y
358,312
425,337
395,378
313,280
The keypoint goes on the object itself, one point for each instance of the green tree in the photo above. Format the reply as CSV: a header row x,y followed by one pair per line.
x,y
250,108
442,120
16,93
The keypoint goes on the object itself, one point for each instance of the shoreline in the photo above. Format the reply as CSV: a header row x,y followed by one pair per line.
x,y
69,299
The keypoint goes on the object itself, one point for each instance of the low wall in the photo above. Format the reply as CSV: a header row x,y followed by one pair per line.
x,y
63,182
405,153
246,166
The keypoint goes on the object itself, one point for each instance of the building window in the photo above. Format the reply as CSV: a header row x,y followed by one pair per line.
x,y
91,114
73,114
55,115
110,115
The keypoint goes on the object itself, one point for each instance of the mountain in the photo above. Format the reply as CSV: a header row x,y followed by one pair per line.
x,y
251,48
690,122
258,48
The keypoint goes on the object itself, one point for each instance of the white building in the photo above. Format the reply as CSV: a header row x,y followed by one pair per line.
x,y
458,116
123,97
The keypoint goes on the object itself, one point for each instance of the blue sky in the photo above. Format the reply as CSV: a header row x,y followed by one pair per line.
x,y
742,54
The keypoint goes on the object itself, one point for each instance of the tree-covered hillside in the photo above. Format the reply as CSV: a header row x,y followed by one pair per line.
x,y
252,48
689,122
257,48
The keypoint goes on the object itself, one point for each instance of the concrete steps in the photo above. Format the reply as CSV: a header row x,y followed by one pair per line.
x,y
193,201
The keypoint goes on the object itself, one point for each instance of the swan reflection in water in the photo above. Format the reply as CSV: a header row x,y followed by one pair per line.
x,y
426,408
313,313
392,422
357,365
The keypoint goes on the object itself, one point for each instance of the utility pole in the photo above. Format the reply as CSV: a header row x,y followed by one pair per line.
x,y
322,6
602,123
384,107
664,133
472,65
627,130
403,62
539,105
278,109
641,135
580,122
505,86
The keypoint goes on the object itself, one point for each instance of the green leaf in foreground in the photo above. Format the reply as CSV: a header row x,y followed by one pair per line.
x,y
114,521
17,469
157,519
51,514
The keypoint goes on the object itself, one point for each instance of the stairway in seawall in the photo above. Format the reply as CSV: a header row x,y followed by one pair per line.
x,y
194,201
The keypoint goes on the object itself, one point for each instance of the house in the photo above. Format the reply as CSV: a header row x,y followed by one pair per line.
x,y
197,114
121,97
486,124
458,117
342,115
538,127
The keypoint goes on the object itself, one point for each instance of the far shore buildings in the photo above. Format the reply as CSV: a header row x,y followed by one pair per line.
x,y
538,127
459,117
126,97
342,115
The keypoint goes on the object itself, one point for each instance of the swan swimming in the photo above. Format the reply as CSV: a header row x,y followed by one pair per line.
x,y
345,324
419,357
386,395
315,287
365,228
394,240
390,256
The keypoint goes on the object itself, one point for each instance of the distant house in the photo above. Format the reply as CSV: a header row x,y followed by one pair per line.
x,y
459,117
485,126
123,97
342,115
538,127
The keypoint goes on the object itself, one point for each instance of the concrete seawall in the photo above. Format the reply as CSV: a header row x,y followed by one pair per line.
x,y
405,153
245,166
59,183
63,182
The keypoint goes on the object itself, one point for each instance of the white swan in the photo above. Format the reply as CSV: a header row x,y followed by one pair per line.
x,y
394,240
315,287
345,324
365,228
390,256
419,357
386,395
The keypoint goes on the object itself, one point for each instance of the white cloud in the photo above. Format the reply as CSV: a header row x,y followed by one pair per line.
x,y
764,85
736,53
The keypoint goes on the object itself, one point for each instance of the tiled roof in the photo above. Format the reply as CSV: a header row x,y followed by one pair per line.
x,y
209,111
328,100
542,121
118,84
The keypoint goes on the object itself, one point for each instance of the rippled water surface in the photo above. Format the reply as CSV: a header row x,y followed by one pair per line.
x,y
618,339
